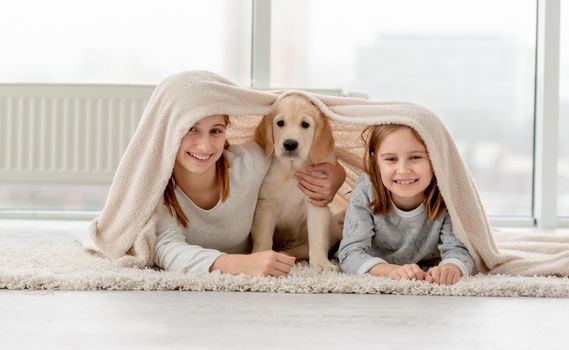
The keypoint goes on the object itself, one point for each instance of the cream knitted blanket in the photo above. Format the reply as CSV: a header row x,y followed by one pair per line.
x,y
126,229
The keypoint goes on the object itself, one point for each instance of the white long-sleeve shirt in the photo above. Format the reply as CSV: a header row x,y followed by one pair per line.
x,y
224,228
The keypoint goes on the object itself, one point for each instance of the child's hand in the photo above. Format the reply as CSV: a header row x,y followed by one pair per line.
x,y
265,263
321,189
443,274
407,272
398,272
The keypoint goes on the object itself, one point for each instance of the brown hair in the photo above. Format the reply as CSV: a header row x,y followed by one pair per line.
x,y
222,175
373,136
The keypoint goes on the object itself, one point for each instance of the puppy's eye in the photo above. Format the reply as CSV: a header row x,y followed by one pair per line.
x,y
280,123
305,125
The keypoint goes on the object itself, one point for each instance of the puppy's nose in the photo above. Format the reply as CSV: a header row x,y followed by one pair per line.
x,y
290,145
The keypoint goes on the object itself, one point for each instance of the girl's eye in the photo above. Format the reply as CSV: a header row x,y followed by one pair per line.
x,y
305,125
217,131
280,123
193,129
390,159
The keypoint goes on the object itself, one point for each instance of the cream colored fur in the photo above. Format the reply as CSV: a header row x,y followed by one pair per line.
x,y
284,220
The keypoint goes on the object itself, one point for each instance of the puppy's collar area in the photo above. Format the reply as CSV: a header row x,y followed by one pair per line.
x,y
290,164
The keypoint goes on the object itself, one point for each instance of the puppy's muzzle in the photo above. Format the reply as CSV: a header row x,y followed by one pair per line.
x,y
290,145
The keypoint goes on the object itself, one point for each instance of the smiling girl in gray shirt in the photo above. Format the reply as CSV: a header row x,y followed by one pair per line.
x,y
397,222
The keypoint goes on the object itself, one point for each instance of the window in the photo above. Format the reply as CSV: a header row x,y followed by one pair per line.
x,y
114,42
123,42
472,63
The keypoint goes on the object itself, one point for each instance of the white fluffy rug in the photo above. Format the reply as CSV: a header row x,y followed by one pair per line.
x,y
57,262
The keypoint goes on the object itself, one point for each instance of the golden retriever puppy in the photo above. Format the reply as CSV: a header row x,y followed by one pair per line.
x,y
295,135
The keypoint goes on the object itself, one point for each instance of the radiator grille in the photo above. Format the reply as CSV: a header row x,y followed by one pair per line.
x,y
66,134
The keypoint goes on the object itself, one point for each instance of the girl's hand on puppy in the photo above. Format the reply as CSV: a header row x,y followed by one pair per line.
x,y
443,274
321,189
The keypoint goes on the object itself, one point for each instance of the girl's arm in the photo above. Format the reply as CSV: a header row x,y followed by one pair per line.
x,y
453,251
173,253
358,232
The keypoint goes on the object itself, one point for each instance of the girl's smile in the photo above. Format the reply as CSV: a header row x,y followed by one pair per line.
x,y
405,182
199,158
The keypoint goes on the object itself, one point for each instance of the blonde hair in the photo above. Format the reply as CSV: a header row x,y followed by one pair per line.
x,y
222,177
373,136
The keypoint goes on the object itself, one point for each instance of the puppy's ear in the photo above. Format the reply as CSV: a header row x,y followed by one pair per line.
x,y
264,134
323,141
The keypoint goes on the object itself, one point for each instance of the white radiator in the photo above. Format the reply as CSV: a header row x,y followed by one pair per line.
x,y
66,133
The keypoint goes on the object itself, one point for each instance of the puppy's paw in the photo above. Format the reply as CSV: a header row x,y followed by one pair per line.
x,y
324,265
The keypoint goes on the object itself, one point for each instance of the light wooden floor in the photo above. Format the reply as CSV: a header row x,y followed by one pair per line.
x,y
181,320
185,320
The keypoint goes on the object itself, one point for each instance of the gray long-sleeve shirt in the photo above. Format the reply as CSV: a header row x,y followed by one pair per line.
x,y
224,228
399,237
